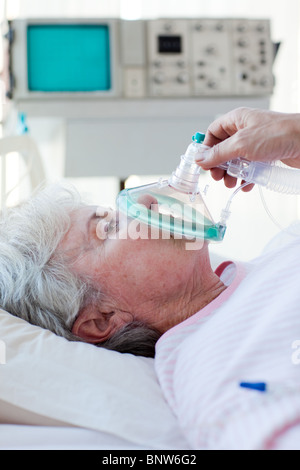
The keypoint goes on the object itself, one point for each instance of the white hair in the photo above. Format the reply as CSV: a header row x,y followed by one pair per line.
x,y
36,280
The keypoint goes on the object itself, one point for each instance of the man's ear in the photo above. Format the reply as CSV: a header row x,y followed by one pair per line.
x,y
94,326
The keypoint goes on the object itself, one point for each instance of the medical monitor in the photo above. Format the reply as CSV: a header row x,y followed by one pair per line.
x,y
63,58
55,58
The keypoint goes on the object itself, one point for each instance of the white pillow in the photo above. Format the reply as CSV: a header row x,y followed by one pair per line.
x,y
48,380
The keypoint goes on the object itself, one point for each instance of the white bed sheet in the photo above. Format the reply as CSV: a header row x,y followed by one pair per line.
x,y
16,437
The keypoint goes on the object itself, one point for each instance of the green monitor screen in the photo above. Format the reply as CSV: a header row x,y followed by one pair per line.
x,y
68,58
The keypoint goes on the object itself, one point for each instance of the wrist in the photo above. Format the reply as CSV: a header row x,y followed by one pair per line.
x,y
293,126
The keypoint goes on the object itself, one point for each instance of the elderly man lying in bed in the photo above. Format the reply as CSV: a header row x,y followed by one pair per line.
x,y
63,268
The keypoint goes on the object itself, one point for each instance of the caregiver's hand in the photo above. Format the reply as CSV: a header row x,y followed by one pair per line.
x,y
254,134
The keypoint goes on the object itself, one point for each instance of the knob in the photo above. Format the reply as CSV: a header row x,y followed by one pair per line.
x,y
198,27
212,84
182,77
241,28
168,27
243,59
244,76
260,28
219,27
157,63
159,78
210,50
264,81
242,42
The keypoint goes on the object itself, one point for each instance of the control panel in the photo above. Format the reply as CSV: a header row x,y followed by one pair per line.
x,y
209,57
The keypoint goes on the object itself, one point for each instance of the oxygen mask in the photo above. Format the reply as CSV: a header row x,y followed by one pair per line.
x,y
174,207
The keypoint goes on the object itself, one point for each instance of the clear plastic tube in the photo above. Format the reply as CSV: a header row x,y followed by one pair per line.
x,y
273,176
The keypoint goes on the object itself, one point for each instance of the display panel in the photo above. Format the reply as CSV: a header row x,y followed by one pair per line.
x,y
68,58
169,44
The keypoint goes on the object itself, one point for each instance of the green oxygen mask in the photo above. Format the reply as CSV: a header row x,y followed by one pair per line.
x,y
174,207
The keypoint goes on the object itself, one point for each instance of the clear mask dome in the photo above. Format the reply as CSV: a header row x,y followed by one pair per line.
x,y
175,206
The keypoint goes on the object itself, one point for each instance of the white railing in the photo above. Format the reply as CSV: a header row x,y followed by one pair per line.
x,y
25,146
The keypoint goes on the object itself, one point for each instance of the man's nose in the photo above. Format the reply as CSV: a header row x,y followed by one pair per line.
x,y
149,201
